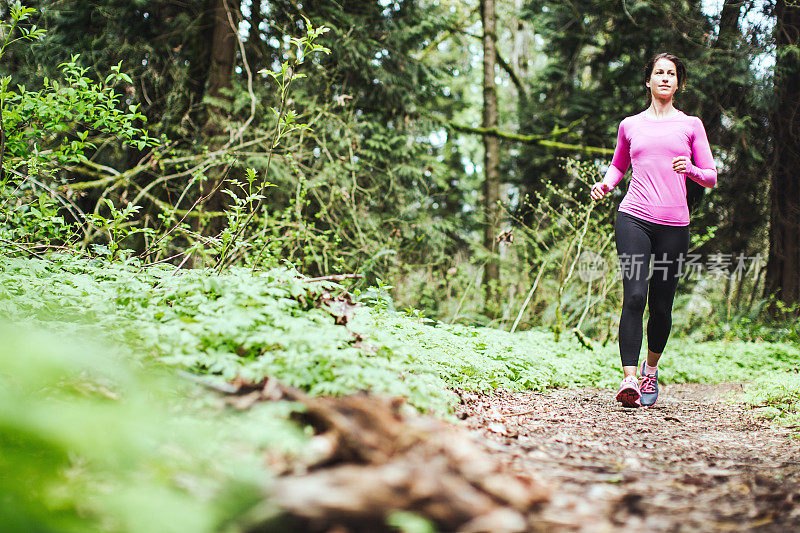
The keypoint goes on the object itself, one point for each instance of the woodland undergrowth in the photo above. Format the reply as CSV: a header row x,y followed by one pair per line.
x,y
314,334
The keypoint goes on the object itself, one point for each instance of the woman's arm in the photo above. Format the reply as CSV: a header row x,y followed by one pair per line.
x,y
704,170
621,160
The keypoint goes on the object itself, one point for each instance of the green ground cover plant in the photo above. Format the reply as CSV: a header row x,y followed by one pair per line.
x,y
776,396
311,334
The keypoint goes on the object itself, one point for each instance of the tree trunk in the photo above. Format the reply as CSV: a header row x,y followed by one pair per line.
x,y
491,144
221,59
200,59
223,47
783,267
212,60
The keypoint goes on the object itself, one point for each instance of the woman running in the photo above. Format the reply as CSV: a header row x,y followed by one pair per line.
x,y
663,146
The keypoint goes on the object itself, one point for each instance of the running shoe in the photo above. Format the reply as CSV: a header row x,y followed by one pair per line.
x,y
629,394
648,388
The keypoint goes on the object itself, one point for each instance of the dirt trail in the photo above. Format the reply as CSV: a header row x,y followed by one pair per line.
x,y
697,461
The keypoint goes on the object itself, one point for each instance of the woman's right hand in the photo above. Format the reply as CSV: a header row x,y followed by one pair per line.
x,y
599,190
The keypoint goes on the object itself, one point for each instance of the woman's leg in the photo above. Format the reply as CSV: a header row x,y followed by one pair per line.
x,y
670,244
634,247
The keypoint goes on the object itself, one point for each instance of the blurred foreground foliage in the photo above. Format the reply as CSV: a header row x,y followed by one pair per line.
x,y
93,440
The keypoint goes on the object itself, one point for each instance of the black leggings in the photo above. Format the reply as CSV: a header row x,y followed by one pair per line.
x,y
637,239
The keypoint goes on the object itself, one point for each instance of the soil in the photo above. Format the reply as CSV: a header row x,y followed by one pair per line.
x,y
697,461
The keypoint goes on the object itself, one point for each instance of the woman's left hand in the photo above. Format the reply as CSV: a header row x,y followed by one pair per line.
x,y
681,164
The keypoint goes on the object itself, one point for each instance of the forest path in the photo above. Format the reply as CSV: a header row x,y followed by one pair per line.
x,y
696,461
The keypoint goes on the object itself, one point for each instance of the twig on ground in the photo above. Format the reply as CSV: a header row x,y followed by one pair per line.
x,y
226,388
26,250
335,277
529,411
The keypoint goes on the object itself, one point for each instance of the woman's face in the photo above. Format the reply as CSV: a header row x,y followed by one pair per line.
x,y
663,79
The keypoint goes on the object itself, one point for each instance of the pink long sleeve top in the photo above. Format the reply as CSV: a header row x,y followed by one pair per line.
x,y
656,192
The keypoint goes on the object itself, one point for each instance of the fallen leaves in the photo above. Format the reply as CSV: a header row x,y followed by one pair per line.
x,y
694,464
341,307
561,461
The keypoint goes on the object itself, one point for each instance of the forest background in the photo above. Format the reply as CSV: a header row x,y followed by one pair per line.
x,y
404,144
199,197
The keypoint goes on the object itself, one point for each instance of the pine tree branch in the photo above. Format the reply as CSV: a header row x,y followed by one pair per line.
x,y
511,74
457,28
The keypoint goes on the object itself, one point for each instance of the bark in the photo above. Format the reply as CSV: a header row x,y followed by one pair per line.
x,y
491,184
222,58
223,47
199,62
729,24
783,264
